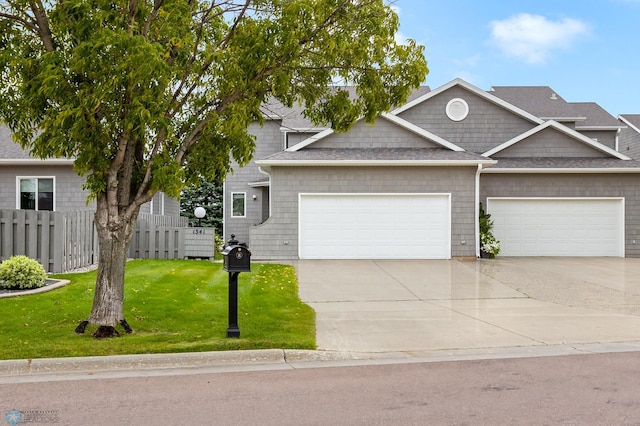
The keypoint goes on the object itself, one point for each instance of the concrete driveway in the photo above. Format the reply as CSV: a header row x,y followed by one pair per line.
x,y
416,306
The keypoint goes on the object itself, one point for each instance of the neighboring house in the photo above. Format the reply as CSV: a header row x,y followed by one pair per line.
x,y
629,137
410,186
29,183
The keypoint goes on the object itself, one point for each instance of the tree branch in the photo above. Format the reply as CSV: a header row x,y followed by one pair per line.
x,y
25,23
176,104
236,22
133,9
157,4
42,21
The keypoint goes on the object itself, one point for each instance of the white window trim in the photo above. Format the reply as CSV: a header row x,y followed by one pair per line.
x,y
450,113
244,196
19,178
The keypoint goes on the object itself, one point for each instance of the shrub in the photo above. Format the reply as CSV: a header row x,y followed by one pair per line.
x,y
218,243
488,242
21,272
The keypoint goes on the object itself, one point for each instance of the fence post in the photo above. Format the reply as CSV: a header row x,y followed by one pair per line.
x,y
61,243
6,234
44,240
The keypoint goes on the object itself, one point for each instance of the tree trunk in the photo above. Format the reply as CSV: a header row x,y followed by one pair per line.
x,y
114,235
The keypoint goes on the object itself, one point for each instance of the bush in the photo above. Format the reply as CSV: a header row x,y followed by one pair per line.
x,y
21,272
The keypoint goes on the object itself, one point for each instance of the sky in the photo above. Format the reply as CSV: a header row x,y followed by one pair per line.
x,y
584,50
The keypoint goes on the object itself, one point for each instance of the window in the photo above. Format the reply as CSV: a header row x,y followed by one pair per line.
x,y
35,194
457,109
238,204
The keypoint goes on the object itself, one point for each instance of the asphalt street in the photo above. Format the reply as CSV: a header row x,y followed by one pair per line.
x,y
598,389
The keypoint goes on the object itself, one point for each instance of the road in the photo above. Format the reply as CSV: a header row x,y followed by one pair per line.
x,y
579,389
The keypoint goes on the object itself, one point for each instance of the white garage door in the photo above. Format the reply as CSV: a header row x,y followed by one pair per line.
x,y
375,226
558,227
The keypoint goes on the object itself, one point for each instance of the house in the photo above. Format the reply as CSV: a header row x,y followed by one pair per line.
x,y
629,137
410,186
29,183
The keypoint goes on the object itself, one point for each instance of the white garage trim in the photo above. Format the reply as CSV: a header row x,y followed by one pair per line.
x,y
374,226
547,226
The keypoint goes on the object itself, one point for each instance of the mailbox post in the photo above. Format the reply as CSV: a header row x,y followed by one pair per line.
x,y
236,259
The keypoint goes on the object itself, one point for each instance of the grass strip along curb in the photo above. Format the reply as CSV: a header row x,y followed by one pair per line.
x,y
174,306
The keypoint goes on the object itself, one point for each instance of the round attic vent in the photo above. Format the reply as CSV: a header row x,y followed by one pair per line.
x,y
457,109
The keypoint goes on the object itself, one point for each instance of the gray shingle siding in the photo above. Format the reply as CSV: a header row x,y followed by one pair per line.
x,y
549,143
162,204
569,186
629,143
271,141
69,194
278,237
382,134
486,126
294,138
605,137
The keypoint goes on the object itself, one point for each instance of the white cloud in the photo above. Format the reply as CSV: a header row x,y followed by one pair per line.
x,y
533,37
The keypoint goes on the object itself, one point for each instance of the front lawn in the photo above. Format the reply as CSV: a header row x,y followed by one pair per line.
x,y
172,305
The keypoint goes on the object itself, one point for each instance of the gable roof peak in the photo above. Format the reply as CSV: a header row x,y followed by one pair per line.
x,y
458,82
631,120
391,118
563,129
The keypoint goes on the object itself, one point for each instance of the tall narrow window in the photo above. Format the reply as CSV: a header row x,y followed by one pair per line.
x,y
238,208
35,193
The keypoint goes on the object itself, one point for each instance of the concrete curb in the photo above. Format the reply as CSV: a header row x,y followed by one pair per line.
x,y
145,361
188,360
289,358
175,360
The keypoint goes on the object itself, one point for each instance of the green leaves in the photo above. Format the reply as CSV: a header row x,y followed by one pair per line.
x,y
176,84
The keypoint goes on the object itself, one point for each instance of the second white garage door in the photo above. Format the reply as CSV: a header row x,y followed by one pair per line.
x,y
375,226
558,226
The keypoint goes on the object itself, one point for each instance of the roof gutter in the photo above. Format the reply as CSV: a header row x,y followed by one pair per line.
x,y
351,163
36,162
563,170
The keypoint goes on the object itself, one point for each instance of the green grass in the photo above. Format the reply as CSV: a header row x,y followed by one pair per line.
x,y
172,305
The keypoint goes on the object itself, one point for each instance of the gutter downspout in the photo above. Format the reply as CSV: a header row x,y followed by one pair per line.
x,y
261,170
477,210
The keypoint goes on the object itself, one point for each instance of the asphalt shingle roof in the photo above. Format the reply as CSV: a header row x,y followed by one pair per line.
x,y
9,150
596,116
544,102
375,154
541,101
632,118
293,117
564,163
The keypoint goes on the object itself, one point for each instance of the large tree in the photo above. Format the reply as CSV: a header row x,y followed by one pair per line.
x,y
148,95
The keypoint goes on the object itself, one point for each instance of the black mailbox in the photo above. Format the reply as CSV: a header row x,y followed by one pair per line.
x,y
236,257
